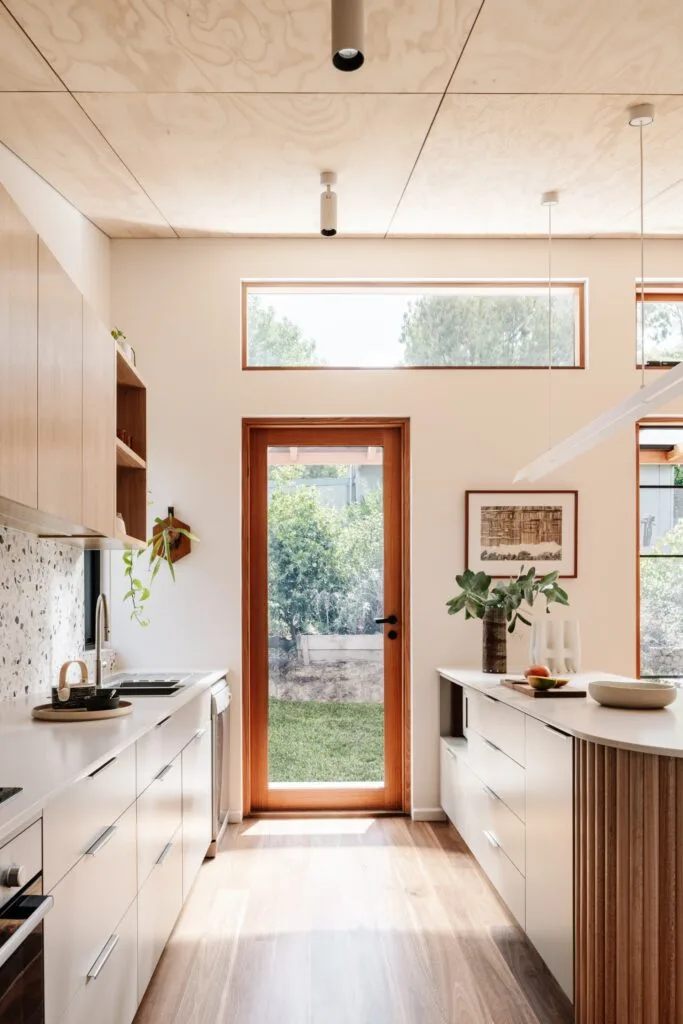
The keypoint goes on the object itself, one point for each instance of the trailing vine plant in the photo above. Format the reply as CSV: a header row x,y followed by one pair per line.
x,y
160,548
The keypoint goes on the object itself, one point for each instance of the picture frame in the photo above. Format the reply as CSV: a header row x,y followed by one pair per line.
x,y
508,530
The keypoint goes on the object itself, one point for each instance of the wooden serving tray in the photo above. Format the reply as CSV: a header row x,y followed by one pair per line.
x,y
529,691
46,713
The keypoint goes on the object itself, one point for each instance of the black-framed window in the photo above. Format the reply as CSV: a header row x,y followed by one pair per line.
x,y
661,552
93,582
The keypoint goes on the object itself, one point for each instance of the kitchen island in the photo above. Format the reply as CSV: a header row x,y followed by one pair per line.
x,y
575,813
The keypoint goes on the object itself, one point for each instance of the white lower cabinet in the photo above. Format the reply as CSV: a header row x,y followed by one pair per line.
x,y
197,804
115,905
89,901
159,902
456,784
159,817
109,994
518,821
550,849
502,873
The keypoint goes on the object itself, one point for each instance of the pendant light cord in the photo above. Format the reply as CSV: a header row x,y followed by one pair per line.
x,y
642,261
550,325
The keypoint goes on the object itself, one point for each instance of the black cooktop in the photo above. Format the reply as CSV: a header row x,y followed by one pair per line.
x,y
7,791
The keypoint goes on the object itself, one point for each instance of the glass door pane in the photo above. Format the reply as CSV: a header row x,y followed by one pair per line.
x,y
325,590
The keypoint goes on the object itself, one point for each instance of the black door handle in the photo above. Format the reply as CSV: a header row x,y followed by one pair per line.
x,y
391,619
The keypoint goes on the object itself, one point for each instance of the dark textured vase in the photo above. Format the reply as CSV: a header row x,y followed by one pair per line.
x,y
495,641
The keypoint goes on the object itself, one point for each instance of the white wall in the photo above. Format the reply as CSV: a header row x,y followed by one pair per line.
x,y
179,302
80,247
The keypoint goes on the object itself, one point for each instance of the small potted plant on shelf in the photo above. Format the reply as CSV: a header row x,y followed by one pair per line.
x,y
501,605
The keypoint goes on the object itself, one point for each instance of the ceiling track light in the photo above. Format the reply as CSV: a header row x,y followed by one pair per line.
x,y
633,408
348,34
328,205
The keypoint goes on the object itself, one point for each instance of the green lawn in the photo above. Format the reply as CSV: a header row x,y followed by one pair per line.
x,y
313,741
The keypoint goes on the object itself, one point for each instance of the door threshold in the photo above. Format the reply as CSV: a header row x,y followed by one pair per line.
x,y
383,813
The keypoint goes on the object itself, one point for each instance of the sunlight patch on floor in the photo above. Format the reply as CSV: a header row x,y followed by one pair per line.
x,y
310,827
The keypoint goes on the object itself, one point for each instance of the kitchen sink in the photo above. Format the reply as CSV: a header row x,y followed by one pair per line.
x,y
131,685
7,791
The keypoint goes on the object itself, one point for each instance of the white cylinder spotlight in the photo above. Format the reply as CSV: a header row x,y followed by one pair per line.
x,y
348,31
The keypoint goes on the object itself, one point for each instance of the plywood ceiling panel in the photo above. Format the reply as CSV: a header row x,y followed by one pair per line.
x,y
586,46
21,66
251,164
52,135
489,158
243,45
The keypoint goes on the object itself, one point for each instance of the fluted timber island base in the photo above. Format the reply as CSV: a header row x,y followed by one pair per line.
x,y
628,886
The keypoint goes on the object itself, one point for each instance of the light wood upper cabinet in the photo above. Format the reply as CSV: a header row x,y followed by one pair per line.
x,y
99,425
60,391
18,356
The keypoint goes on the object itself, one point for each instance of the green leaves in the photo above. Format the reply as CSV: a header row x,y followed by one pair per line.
x,y
159,547
476,596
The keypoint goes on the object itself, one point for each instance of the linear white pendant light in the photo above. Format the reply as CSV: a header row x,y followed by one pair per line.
x,y
636,406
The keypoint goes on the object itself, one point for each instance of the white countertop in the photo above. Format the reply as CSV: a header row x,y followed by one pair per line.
x,y
651,732
46,757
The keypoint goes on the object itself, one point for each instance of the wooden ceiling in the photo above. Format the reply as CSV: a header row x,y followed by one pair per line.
x,y
211,117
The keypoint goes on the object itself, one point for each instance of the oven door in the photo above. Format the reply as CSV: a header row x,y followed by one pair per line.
x,y
22,998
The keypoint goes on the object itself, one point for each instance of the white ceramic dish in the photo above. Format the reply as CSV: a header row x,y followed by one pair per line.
x,y
639,695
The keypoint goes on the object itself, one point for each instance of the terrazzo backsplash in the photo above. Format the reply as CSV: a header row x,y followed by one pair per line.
x,y
41,612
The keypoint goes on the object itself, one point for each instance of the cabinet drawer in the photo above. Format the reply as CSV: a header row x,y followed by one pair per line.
x,y
75,818
458,789
197,805
89,901
502,873
159,816
504,826
496,722
159,903
109,994
163,743
498,771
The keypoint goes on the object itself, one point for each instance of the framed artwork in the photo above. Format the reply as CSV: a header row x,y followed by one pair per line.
x,y
505,530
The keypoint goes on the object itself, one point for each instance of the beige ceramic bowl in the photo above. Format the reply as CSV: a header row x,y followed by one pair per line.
x,y
639,695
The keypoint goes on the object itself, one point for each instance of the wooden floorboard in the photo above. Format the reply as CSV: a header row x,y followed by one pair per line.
x,y
348,921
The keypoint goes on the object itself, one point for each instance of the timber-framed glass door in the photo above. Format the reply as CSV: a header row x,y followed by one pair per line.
x,y
325,553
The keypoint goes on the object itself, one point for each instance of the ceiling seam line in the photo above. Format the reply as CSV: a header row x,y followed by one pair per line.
x,y
433,120
101,134
124,164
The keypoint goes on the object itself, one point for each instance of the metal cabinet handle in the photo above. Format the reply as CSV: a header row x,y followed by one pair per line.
x,y
101,841
490,793
163,721
160,776
30,924
491,745
164,853
492,839
487,696
107,764
198,735
109,948
558,732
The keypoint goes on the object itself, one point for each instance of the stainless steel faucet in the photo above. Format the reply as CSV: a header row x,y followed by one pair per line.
x,y
101,611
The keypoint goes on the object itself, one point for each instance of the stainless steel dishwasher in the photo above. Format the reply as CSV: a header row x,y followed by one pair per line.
x,y
220,722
